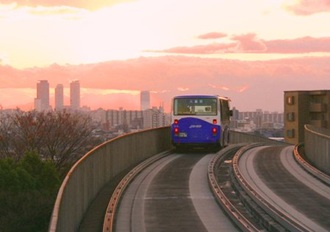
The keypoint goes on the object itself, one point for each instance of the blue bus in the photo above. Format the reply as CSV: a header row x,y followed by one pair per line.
x,y
200,120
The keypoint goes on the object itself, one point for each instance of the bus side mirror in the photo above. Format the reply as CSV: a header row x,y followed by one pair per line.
x,y
231,112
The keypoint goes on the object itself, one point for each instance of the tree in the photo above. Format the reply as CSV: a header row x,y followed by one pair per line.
x,y
36,148
27,192
59,136
5,136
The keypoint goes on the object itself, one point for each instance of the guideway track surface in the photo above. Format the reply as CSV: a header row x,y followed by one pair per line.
x,y
228,195
121,187
172,195
274,180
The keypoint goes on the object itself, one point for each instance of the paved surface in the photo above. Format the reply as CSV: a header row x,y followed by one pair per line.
x,y
274,174
172,195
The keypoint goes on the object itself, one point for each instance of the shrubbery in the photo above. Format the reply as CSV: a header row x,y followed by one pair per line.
x,y
27,191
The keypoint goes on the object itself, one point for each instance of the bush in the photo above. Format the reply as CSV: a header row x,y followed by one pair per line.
x,y
27,193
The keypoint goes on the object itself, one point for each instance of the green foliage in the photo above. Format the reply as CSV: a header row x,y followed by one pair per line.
x,y
27,192
36,150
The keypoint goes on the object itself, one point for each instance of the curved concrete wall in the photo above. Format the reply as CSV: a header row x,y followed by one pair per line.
x,y
93,171
90,174
240,137
317,147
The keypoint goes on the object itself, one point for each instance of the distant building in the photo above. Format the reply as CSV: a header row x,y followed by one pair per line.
x,y
127,120
305,107
59,97
145,100
75,95
254,120
153,118
41,102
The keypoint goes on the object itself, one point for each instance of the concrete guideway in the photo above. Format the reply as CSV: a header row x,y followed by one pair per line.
x,y
212,216
172,194
275,176
85,191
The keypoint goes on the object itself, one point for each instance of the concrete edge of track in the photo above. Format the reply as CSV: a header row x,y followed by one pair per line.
x,y
272,218
243,223
109,217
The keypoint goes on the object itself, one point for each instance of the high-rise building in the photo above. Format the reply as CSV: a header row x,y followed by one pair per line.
x,y
145,100
153,118
41,102
75,95
305,107
59,97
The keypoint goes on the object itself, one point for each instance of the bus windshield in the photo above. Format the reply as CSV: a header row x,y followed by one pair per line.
x,y
195,106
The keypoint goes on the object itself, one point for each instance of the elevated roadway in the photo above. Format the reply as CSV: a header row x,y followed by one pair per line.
x,y
172,194
85,193
286,190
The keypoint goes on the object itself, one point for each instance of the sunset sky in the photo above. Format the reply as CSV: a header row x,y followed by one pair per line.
x,y
37,34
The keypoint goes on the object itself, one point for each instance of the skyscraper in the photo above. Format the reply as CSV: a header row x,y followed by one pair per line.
x,y
59,97
75,94
41,102
145,100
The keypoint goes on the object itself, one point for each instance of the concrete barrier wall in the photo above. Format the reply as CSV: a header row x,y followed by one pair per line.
x,y
240,137
317,147
90,174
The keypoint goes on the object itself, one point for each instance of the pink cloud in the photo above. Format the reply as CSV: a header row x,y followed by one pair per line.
x,y
299,45
202,49
250,84
219,87
250,43
308,7
212,35
182,89
242,88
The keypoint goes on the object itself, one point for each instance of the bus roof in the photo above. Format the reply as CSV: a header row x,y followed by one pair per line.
x,y
202,96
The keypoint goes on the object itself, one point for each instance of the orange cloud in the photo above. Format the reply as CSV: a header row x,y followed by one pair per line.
x,y
55,10
89,5
307,7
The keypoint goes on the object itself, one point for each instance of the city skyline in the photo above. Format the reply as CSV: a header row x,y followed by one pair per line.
x,y
42,101
113,87
251,51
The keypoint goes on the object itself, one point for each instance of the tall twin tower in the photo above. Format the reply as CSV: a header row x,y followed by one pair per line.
x,y
41,102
